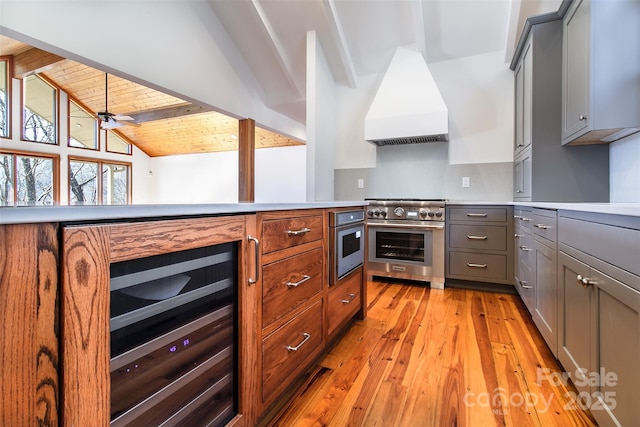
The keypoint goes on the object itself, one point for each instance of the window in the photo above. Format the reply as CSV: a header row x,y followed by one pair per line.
x,y
40,110
88,187
115,184
27,180
4,98
117,144
83,128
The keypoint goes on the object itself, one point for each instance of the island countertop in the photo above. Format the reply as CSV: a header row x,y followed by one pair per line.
x,y
627,209
40,214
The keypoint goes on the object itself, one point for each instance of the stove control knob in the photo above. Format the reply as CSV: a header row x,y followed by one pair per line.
x,y
376,212
431,214
439,214
370,212
423,213
398,211
383,214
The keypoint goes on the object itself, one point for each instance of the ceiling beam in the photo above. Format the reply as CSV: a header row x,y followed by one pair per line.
x,y
33,61
277,48
343,47
170,112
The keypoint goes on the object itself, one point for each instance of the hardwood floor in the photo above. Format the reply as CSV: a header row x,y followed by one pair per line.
x,y
428,357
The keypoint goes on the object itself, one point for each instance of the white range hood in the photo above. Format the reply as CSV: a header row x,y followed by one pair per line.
x,y
408,107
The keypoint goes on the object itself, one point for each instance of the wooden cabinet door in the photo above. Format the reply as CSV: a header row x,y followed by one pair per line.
x,y
545,312
576,70
577,327
617,357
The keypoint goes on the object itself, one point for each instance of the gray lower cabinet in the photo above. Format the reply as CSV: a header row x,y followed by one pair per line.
x,y
599,313
525,277
478,243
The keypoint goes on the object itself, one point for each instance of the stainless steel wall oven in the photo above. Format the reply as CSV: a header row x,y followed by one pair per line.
x,y
346,243
406,240
173,325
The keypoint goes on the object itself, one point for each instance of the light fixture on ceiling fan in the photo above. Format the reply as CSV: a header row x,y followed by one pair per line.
x,y
110,120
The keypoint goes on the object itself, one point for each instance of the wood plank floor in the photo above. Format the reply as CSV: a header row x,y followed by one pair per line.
x,y
428,357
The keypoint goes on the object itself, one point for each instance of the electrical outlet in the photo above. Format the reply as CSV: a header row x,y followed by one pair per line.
x,y
360,183
465,182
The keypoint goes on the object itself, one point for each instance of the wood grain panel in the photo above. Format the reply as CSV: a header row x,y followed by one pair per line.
x,y
276,233
246,160
339,311
135,240
278,299
29,358
85,326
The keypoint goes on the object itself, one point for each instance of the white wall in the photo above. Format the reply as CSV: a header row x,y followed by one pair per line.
x,y
280,174
321,114
624,170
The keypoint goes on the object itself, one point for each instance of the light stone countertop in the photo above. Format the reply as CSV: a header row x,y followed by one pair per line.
x,y
629,209
39,214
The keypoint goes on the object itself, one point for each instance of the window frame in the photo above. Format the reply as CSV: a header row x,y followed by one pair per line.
x,y
97,130
56,114
121,136
55,192
9,62
99,187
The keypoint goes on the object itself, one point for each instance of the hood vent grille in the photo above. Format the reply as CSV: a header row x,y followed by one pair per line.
x,y
410,140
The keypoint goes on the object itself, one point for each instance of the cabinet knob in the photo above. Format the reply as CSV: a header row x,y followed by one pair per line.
x,y
582,117
585,282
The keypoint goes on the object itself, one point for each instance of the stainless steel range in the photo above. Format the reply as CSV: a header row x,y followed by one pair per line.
x,y
406,239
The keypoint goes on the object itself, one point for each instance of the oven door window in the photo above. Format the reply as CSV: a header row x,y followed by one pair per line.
x,y
350,249
412,247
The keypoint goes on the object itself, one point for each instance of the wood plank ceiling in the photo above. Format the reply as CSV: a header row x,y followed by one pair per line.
x,y
167,125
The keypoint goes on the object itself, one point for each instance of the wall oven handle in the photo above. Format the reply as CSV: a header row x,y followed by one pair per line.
x,y
473,265
298,232
296,348
298,283
477,215
347,301
476,237
256,244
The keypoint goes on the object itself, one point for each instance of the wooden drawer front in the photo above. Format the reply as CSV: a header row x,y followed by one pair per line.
x,y
478,265
280,364
280,294
284,233
478,237
544,224
478,214
344,301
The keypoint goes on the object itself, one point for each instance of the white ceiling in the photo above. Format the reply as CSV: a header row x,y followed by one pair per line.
x,y
358,37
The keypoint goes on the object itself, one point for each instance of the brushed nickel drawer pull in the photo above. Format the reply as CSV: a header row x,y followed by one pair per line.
x,y
298,283
298,232
477,215
296,348
517,235
524,284
541,226
473,265
351,298
256,243
476,237
524,218
524,248
585,282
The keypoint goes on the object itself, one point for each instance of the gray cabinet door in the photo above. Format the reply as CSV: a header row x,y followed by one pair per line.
x,y
518,108
617,358
576,339
576,69
522,176
545,313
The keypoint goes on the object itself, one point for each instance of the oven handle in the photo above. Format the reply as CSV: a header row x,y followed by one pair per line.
x,y
412,226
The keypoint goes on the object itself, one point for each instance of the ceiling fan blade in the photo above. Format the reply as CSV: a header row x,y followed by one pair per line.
x,y
110,124
122,117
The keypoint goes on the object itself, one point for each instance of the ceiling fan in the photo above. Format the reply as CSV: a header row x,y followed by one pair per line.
x,y
110,120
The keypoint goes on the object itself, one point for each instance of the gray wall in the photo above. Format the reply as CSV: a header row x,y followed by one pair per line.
x,y
423,171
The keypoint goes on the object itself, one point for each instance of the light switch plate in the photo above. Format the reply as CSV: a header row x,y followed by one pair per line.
x,y
360,183
465,181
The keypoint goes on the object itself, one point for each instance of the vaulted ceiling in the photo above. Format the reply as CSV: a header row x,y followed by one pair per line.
x,y
358,38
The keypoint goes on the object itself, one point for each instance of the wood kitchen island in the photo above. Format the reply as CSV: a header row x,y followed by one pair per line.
x,y
55,300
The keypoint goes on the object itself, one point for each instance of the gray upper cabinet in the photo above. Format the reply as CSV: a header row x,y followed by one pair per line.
x,y
600,63
544,170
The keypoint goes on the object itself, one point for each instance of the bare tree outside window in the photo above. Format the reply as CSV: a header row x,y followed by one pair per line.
x,y
34,181
6,180
83,183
